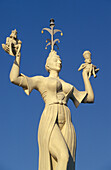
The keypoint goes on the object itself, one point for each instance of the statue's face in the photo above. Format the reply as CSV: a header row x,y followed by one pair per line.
x,y
88,60
55,63
13,34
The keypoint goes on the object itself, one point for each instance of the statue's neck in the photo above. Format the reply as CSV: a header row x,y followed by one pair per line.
x,y
54,74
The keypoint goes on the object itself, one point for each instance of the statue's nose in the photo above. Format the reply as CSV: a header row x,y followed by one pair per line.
x,y
59,61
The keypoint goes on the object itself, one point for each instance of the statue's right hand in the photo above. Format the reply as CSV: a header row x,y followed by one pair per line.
x,y
81,67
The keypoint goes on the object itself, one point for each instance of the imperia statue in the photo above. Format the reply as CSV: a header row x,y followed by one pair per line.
x,y
56,133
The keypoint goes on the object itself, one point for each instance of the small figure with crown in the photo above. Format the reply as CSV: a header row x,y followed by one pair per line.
x,y
88,65
13,45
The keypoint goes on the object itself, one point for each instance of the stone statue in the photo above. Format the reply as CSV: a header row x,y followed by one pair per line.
x,y
92,68
56,133
13,45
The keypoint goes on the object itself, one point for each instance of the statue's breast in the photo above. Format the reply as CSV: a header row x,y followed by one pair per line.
x,y
56,90
53,85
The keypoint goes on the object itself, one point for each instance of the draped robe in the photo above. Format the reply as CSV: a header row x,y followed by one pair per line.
x,y
49,90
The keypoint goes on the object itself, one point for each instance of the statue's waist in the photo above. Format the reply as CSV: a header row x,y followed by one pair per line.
x,y
59,98
57,102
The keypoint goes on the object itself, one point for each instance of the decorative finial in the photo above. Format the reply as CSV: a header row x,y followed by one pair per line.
x,y
52,31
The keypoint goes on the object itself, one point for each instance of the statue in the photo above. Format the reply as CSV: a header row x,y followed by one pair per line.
x,y
56,133
92,68
13,45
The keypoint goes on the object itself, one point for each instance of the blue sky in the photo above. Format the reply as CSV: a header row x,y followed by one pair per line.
x,y
86,25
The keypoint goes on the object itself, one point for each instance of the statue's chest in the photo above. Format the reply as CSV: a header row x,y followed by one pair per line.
x,y
57,86
54,85
55,91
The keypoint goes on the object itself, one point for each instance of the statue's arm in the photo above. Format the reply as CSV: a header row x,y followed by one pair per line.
x,y
86,96
27,83
88,87
78,96
15,73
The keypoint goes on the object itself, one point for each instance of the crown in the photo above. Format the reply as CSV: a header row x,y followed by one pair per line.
x,y
14,31
52,31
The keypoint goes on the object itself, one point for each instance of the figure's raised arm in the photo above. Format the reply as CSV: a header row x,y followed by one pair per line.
x,y
13,47
27,83
15,72
78,96
86,96
89,70
88,87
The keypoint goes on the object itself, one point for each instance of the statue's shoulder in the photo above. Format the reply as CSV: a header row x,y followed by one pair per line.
x,y
37,82
39,78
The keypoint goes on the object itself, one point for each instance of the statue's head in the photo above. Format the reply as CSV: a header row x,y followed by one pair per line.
x,y
87,56
13,34
53,62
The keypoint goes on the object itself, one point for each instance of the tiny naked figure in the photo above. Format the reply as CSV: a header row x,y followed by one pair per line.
x,y
13,45
88,65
